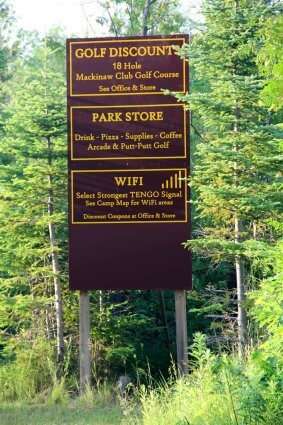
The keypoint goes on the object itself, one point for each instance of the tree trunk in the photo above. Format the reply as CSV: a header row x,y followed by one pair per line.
x,y
146,14
145,18
164,318
48,317
240,276
55,264
239,262
241,295
100,306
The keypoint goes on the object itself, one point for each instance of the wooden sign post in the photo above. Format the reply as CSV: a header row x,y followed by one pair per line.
x,y
85,364
181,332
128,165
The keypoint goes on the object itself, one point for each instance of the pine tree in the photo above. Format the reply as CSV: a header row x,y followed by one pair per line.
x,y
237,161
33,194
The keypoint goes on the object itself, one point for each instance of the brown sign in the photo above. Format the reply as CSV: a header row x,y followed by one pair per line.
x,y
128,164
130,66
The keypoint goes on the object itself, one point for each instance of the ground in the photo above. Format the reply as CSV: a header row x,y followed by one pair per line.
x,y
13,414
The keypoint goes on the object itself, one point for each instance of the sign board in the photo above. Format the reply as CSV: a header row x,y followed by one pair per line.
x,y
125,66
128,164
138,132
129,196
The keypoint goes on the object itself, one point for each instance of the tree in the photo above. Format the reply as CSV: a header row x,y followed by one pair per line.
x,y
5,51
270,61
138,17
8,48
33,194
236,176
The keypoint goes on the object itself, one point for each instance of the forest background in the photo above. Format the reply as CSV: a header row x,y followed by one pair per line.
x,y
235,312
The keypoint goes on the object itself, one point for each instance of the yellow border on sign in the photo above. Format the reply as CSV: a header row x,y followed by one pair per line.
x,y
129,222
73,158
122,41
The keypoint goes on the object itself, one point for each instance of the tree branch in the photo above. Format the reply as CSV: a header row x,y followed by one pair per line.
x,y
107,9
85,15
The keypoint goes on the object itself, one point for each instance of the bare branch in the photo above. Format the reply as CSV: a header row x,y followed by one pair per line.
x,y
85,15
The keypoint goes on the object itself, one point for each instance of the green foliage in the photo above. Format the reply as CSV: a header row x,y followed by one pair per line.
x,y
220,390
236,175
267,311
138,17
223,389
28,375
19,414
128,332
59,394
237,168
33,148
270,60
7,49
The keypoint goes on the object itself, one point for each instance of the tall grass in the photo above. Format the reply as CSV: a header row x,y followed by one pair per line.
x,y
221,390
32,379
31,372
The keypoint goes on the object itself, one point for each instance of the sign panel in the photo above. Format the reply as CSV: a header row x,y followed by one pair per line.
x,y
130,66
130,196
128,164
128,132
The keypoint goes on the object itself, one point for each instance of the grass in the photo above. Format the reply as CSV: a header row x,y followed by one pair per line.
x,y
18,414
220,390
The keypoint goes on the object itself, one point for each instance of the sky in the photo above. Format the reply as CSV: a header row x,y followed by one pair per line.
x,y
69,14
43,14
